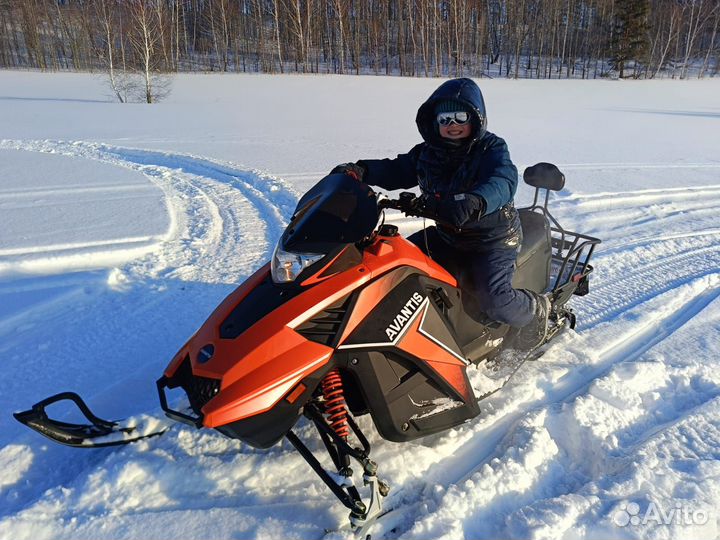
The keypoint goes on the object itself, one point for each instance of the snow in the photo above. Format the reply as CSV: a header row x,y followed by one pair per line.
x,y
123,226
81,210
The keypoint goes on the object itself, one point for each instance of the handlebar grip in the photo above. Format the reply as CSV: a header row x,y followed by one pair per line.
x,y
411,205
407,198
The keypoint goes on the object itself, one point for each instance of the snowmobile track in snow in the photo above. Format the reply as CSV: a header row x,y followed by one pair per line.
x,y
224,220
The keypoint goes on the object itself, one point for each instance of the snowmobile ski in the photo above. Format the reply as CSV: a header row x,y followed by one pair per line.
x,y
98,433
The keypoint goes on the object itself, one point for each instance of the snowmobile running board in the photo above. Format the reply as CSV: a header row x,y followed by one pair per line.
x,y
99,433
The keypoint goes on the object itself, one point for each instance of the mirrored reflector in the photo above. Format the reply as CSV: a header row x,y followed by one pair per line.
x,y
296,393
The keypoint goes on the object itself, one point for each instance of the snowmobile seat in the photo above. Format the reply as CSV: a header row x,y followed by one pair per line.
x,y
533,261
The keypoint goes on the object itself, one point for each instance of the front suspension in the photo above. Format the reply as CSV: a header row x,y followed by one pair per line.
x,y
341,453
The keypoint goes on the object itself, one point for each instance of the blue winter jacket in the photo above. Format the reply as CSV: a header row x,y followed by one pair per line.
x,y
480,165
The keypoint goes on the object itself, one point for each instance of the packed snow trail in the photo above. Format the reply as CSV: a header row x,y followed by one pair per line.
x,y
572,438
216,211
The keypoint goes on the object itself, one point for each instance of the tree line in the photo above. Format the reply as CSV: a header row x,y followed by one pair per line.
x,y
475,38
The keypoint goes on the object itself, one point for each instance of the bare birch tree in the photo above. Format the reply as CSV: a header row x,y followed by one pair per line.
x,y
144,37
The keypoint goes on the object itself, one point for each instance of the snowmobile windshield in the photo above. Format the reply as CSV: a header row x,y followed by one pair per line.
x,y
337,210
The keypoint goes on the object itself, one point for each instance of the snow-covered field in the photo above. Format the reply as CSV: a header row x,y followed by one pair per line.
x,y
122,226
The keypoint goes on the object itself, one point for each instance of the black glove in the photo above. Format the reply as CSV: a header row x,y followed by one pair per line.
x,y
460,209
430,203
355,170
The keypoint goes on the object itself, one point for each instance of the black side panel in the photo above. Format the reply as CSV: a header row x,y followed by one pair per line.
x,y
259,302
266,429
406,399
324,326
404,394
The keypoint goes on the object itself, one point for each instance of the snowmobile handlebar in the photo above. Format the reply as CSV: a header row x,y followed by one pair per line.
x,y
411,205
407,203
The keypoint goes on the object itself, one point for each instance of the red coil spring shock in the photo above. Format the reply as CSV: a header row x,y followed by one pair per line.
x,y
335,403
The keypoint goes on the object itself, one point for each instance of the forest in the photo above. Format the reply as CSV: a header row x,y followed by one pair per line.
x,y
422,38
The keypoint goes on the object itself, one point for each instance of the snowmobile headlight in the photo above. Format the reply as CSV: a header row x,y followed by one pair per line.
x,y
286,265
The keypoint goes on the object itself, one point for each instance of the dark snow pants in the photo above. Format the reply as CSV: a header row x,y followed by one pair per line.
x,y
487,275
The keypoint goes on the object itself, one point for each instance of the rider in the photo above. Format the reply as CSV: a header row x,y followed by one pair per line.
x,y
467,178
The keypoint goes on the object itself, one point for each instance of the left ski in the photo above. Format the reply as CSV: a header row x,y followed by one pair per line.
x,y
97,434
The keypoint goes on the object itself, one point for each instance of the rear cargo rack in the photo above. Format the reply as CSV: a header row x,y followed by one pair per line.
x,y
571,252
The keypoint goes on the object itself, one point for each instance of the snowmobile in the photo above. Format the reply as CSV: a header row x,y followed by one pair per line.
x,y
349,318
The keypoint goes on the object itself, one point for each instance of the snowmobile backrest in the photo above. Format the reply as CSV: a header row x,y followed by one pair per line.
x,y
548,177
544,176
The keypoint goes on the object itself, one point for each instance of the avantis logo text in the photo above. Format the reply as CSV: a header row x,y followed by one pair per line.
x,y
404,316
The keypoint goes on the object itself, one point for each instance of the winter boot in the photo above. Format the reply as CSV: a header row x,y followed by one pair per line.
x,y
533,334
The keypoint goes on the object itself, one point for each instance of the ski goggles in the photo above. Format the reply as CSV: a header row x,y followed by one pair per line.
x,y
458,117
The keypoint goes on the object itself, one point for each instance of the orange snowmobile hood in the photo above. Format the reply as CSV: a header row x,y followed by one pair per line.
x,y
268,360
